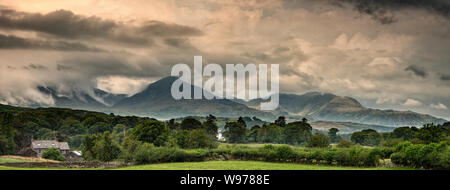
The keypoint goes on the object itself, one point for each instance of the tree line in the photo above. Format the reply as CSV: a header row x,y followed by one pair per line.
x,y
108,137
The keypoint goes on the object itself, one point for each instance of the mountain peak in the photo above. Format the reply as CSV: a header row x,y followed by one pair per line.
x,y
157,101
165,82
344,104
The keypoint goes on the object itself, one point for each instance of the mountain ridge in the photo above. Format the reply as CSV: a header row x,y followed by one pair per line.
x,y
156,101
330,107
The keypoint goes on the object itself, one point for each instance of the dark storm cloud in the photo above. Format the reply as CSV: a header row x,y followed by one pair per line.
x,y
381,10
105,64
445,77
158,28
417,70
65,24
60,23
32,66
61,67
178,43
14,42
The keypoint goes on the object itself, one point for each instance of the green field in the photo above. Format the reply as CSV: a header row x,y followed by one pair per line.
x,y
209,165
11,160
220,165
244,165
15,168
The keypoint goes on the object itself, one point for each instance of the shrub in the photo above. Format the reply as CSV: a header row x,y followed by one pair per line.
x,y
100,147
147,153
269,147
235,132
319,140
151,131
53,154
342,157
106,149
399,158
367,137
356,156
329,156
197,138
386,152
433,155
129,146
143,154
345,144
284,152
391,142
373,158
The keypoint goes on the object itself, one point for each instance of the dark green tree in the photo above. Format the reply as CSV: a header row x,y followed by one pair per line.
x,y
405,133
75,141
235,132
281,121
53,154
241,121
173,125
367,137
197,138
99,128
319,140
210,126
304,120
345,144
87,147
91,120
105,148
190,123
151,131
332,133
253,134
72,127
271,134
297,132
430,133
4,146
129,146
7,134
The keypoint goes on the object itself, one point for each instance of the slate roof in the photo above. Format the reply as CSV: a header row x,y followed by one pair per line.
x,y
49,144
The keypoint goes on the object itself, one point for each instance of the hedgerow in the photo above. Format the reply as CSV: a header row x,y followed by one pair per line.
x,y
355,156
429,156
433,156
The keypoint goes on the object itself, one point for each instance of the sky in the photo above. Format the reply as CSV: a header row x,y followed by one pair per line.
x,y
388,54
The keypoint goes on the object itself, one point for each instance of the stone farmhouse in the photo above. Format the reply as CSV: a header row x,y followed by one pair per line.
x,y
40,146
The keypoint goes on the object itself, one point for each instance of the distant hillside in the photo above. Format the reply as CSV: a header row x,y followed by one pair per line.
x,y
221,121
329,107
157,101
62,123
344,127
8,108
348,127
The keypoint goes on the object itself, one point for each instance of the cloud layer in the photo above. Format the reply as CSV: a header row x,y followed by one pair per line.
x,y
385,53
384,10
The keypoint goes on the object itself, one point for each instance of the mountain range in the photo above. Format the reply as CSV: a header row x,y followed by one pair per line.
x,y
156,101
330,107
